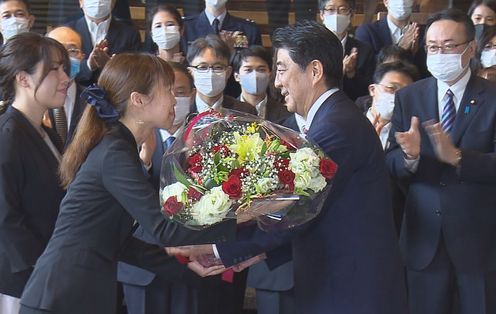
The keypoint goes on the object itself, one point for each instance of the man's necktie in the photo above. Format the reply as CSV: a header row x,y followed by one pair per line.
x,y
168,142
449,113
60,123
215,25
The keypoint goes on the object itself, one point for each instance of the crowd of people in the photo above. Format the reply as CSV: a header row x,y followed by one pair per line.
x,y
406,109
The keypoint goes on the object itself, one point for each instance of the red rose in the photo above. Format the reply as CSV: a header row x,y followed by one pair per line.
x,y
328,168
194,162
239,172
286,176
221,149
194,194
172,206
182,259
232,187
281,164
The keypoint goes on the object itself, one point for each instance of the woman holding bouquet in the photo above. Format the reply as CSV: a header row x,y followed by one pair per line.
x,y
107,191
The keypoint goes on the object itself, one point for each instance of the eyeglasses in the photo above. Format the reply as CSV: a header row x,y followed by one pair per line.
x,y
216,68
73,52
339,10
446,48
390,88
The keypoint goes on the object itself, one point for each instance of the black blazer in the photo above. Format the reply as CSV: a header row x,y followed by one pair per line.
x,y
30,195
358,85
460,204
121,37
94,230
199,26
77,112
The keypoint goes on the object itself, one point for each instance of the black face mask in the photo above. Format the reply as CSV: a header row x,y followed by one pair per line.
x,y
480,29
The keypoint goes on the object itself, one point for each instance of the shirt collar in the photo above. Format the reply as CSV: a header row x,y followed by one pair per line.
x,y
457,89
316,105
261,106
202,106
343,42
97,31
395,31
221,18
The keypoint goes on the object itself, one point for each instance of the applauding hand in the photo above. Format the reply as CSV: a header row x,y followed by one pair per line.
x,y
410,140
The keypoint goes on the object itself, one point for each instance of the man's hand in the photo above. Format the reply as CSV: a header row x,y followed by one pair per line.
x,y
350,62
203,271
410,38
243,265
445,150
378,123
191,251
410,141
99,56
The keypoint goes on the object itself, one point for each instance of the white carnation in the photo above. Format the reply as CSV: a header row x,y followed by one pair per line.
x,y
305,165
212,207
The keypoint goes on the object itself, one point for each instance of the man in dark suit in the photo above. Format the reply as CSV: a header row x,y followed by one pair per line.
x,y
103,36
215,19
450,224
396,29
347,259
359,60
16,18
65,121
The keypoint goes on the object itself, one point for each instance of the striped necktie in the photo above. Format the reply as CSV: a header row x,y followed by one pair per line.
x,y
449,113
60,123
168,142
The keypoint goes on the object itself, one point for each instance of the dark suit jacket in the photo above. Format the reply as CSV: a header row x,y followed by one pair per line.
x,y
199,26
94,229
358,85
347,259
459,204
378,36
77,112
30,195
121,37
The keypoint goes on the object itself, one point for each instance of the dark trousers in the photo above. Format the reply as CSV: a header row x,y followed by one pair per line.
x,y
440,289
28,310
276,302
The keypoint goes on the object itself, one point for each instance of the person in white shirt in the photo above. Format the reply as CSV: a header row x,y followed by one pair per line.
x,y
388,79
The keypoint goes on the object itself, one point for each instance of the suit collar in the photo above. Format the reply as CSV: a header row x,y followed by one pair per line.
x,y
470,104
84,31
384,32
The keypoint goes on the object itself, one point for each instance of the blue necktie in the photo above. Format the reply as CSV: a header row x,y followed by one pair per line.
x,y
215,26
168,142
449,113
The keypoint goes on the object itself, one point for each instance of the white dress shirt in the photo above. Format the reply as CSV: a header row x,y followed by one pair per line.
x,y
384,135
202,106
99,31
70,102
396,32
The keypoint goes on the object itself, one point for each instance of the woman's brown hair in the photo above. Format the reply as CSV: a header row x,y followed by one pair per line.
x,y
23,52
124,73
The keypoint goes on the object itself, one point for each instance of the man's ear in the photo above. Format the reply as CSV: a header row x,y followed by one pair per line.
x,y
236,77
372,90
31,20
317,71
228,72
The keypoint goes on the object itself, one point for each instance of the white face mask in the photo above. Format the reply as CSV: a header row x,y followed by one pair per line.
x,y
216,3
166,37
384,104
488,58
182,109
446,67
13,26
97,9
337,23
400,9
209,83
254,83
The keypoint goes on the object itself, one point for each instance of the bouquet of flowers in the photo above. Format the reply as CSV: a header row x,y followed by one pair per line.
x,y
226,163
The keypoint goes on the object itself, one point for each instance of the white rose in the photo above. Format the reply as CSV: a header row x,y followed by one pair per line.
x,y
176,189
266,185
212,207
317,183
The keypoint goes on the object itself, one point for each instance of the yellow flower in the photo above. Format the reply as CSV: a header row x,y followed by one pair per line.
x,y
247,147
252,128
